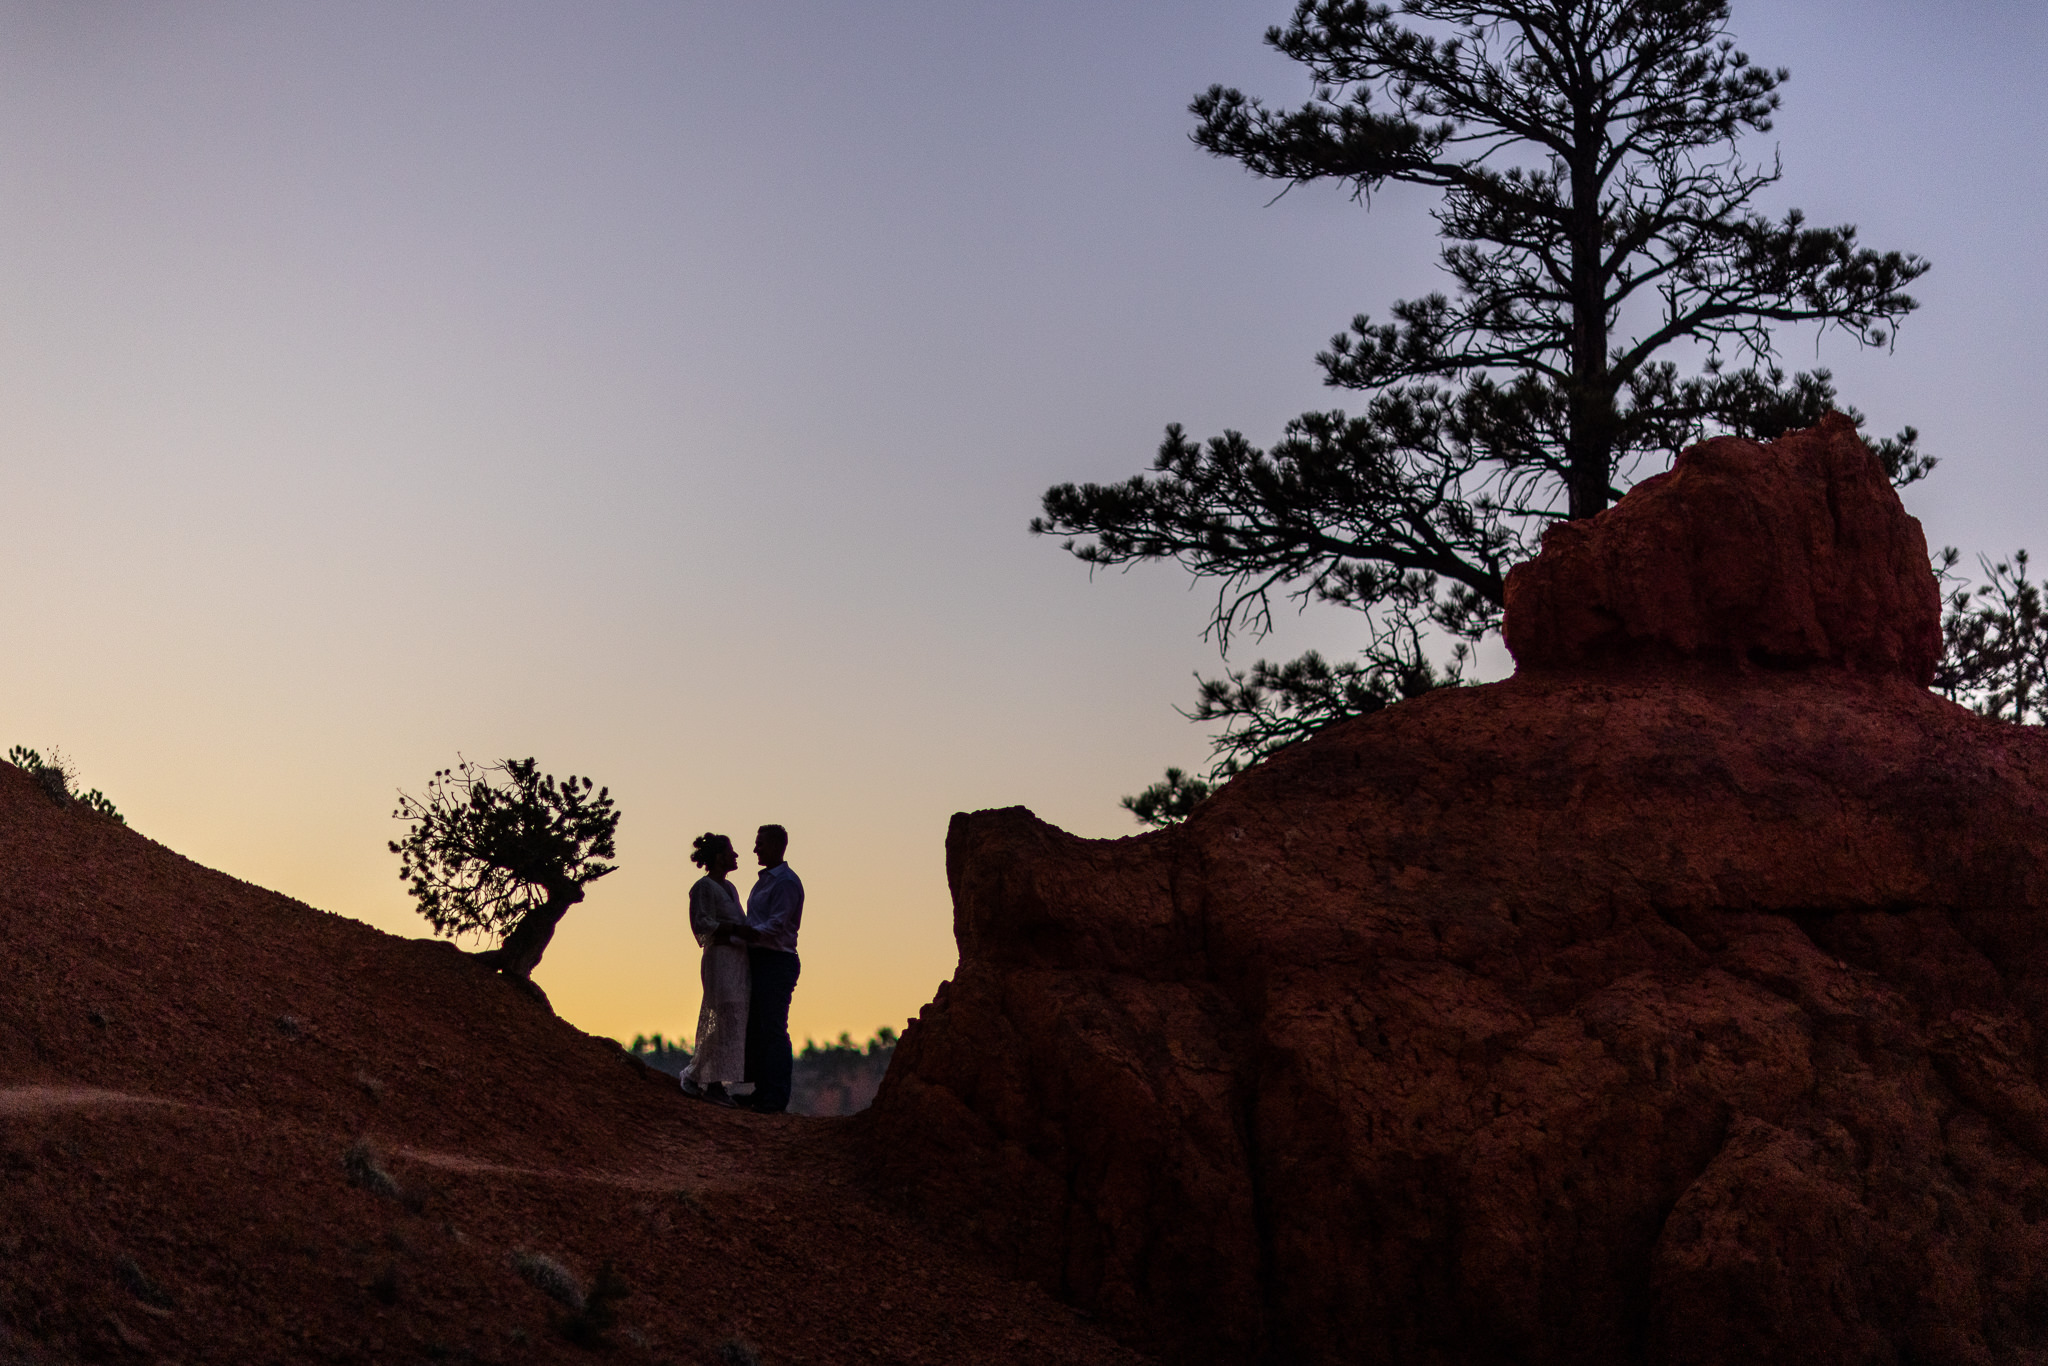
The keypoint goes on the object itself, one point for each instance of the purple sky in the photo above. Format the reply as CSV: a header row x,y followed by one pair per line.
x,y
662,390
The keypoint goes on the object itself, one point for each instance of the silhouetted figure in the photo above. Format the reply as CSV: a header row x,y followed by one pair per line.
x,y
715,915
775,908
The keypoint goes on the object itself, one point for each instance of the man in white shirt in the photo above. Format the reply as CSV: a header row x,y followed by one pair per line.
x,y
775,910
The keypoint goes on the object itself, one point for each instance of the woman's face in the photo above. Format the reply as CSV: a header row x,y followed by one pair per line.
x,y
725,861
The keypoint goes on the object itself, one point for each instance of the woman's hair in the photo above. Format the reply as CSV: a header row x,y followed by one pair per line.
x,y
711,847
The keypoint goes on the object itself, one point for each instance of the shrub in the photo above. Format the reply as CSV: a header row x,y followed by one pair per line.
x,y
589,1325
59,781
130,1275
365,1172
551,1278
504,850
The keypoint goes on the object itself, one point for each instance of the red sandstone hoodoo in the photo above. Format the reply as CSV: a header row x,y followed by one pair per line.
x,y
1796,553
1676,1000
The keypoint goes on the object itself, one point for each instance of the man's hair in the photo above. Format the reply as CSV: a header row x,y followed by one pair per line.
x,y
776,836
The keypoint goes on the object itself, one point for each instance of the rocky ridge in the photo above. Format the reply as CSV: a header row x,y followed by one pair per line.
x,y
1673,1001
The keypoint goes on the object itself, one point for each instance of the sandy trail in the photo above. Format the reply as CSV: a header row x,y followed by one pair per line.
x,y
471,1166
47,1099
36,1100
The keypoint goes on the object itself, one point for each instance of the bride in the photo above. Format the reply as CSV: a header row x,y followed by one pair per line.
x,y
721,1056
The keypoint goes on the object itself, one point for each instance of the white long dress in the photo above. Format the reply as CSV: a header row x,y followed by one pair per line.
x,y
721,1054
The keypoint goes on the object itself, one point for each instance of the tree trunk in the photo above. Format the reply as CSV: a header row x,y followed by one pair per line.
x,y
1591,445
521,952
1589,396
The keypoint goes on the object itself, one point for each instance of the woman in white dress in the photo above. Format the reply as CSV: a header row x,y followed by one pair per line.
x,y
721,1057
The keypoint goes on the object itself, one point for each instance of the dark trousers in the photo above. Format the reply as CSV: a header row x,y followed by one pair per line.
x,y
772,976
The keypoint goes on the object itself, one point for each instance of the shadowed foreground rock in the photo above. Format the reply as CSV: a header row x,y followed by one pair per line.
x,y
1653,1006
238,1130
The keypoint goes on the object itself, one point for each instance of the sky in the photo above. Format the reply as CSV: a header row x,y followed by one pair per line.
x,y
662,390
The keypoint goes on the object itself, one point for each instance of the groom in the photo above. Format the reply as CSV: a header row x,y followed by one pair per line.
x,y
775,908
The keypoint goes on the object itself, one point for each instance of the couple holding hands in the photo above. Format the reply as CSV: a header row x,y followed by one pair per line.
x,y
749,970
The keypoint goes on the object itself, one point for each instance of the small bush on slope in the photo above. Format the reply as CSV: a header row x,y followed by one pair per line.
x,y
60,781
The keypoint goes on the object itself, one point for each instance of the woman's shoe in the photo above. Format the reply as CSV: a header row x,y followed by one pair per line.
x,y
714,1093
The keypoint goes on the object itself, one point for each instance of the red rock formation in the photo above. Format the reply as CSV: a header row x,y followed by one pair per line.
x,y
1793,553
1647,1007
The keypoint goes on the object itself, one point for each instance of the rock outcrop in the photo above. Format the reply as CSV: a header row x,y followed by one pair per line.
x,y
1791,554
1674,1001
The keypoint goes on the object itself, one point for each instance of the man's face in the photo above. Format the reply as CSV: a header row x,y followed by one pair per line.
x,y
767,849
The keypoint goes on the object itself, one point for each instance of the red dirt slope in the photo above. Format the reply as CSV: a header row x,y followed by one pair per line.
x,y
186,1061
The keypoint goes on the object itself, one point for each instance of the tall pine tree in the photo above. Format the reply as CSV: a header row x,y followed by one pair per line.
x,y
1600,225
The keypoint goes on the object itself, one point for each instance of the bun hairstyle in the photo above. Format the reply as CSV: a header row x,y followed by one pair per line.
x,y
708,848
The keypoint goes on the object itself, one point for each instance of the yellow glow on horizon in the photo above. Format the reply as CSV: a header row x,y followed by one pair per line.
x,y
381,384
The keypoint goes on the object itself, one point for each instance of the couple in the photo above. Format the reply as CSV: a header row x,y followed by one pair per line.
x,y
750,968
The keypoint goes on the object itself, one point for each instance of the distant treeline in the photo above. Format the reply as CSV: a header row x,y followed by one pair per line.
x,y
830,1079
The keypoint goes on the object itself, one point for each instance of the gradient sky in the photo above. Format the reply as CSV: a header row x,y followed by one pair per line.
x,y
662,390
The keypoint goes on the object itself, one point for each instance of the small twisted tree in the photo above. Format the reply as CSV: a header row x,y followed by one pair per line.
x,y
503,850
